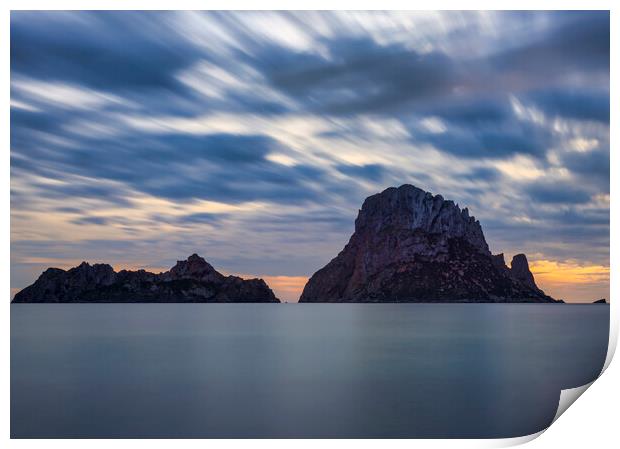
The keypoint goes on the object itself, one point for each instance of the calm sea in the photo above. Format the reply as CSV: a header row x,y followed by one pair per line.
x,y
297,370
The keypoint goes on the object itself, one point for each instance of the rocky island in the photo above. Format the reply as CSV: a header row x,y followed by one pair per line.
x,y
412,246
191,280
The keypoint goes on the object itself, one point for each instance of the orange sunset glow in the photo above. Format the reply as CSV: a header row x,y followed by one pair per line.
x,y
570,280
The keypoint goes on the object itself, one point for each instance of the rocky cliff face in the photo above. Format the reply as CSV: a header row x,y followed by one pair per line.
x,y
191,280
412,246
520,270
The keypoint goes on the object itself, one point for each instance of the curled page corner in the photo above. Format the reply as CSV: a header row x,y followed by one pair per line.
x,y
613,342
568,397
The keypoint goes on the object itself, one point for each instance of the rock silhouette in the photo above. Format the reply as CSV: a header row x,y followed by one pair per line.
x,y
191,280
412,246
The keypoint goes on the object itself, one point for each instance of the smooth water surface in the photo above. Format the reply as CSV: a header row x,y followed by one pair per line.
x,y
298,370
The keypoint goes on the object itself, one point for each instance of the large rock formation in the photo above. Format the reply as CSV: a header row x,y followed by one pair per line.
x,y
411,246
191,280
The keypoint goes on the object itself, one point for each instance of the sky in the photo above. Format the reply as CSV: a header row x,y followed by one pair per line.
x,y
252,138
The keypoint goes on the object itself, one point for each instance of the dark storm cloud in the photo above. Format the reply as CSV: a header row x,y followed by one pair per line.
x,y
579,41
81,190
483,174
24,123
580,104
198,218
91,220
105,49
494,141
595,163
473,111
560,239
243,102
573,216
285,224
360,76
69,210
202,217
373,172
557,192
592,167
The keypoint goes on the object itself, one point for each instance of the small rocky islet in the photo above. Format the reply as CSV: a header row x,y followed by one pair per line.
x,y
408,246
191,280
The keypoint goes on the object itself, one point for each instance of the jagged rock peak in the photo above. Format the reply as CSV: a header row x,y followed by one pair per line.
x,y
498,260
196,258
409,208
520,270
97,274
195,267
